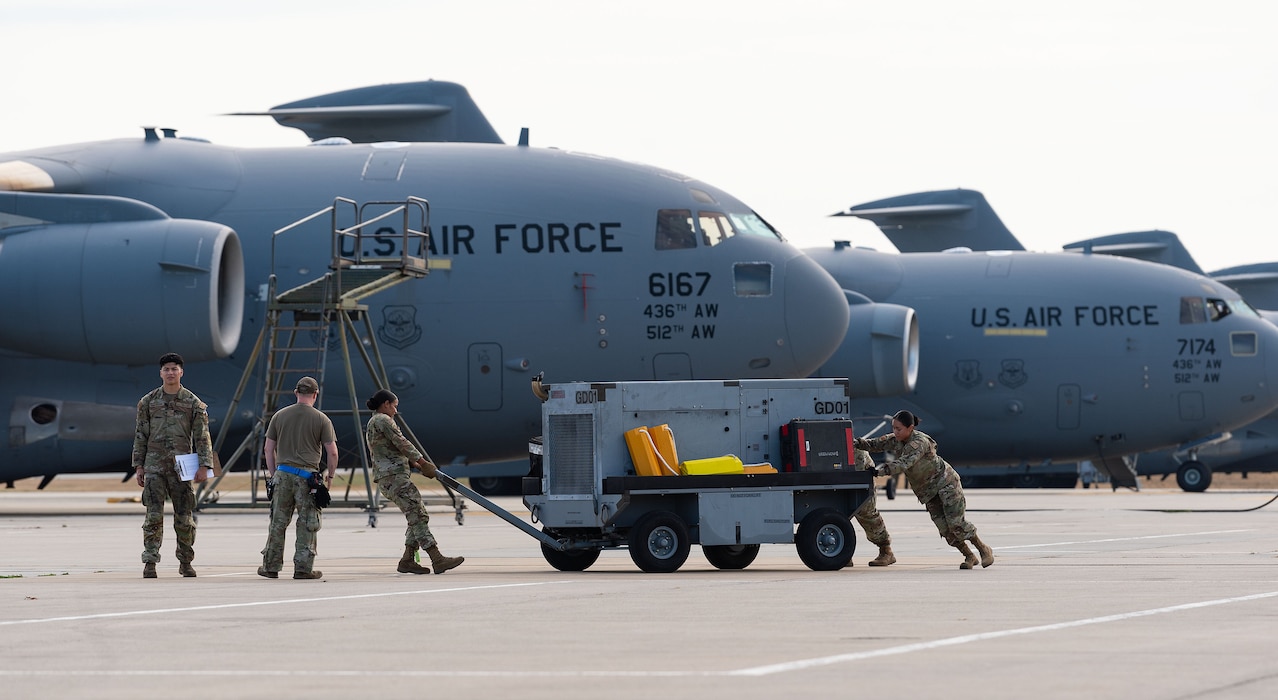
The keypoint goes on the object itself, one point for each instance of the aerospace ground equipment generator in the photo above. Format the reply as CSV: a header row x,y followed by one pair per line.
x,y
600,480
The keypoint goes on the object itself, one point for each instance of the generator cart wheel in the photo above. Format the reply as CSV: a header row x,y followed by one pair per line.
x,y
570,560
825,540
730,556
659,542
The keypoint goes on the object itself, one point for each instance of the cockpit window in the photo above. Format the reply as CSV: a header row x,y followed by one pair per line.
x,y
1199,310
715,227
1192,310
1240,306
677,229
754,225
1217,309
674,229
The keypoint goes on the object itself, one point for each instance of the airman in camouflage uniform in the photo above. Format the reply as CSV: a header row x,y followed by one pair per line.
x,y
392,454
170,421
297,438
870,519
934,481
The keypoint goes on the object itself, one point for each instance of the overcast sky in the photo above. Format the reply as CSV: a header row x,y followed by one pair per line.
x,y
1075,119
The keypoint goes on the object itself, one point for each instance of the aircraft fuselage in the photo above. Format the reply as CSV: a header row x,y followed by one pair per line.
x,y
1027,357
554,269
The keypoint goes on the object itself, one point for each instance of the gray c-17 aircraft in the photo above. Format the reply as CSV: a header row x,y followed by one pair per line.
x,y
998,408
1251,448
569,264
1030,358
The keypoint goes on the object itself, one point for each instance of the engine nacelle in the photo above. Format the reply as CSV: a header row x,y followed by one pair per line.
x,y
880,355
123,292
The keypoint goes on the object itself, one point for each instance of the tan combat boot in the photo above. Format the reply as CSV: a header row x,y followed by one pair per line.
x,y
148,570
987,554
186,569
441,562
969,561
409,565
885,558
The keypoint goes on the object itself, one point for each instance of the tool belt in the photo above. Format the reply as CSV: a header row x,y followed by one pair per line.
x,y
305,474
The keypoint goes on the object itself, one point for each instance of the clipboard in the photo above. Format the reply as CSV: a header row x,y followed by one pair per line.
x,y
188,466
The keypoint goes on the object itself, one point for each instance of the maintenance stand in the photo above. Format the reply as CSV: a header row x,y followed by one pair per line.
x,y
297,332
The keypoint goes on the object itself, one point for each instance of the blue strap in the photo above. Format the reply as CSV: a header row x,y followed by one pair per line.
x,y
293,470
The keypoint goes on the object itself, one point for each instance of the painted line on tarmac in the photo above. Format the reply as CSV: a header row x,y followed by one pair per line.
x,y
770,669
1121,539
985,636
289,601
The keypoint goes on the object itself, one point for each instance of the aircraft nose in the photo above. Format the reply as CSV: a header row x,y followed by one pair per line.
x,y
816,314
1268,339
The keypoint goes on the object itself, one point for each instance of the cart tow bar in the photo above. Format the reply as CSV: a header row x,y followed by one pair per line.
x,y
502,513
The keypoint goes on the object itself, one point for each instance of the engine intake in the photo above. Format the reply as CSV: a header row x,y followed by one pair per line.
x,y
883,361
123,292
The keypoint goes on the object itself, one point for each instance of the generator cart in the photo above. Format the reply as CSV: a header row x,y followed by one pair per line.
x,y
760,456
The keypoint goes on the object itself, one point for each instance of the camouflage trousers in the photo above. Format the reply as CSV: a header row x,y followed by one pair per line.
x,y
948,510
872,522
157,487
400,490
292,492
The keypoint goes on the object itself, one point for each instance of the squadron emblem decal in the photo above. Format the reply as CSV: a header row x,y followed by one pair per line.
x,y
967,373
399,327
1013,374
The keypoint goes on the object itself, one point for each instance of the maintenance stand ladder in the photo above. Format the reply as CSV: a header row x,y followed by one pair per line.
x,y
297,330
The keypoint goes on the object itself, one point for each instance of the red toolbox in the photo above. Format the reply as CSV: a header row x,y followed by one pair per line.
x,y
817,446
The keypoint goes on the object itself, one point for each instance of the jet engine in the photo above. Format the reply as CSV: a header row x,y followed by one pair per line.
x,y
121,292
880,355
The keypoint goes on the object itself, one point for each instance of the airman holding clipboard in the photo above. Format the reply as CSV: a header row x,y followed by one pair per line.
x,y
171,449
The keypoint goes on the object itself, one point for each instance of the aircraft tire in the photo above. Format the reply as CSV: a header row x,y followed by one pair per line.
x,y
890,488
825,540
730,556
1193,476
659,542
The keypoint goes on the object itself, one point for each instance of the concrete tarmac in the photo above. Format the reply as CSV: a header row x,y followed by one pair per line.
x,y
1097,594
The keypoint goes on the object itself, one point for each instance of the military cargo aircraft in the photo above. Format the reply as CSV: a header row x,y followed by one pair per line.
x,y
569,264
1037,358
1251,448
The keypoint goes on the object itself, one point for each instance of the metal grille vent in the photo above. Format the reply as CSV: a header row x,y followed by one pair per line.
x,y
572,458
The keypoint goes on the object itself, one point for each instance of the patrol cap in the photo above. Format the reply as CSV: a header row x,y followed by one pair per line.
x,y
307,385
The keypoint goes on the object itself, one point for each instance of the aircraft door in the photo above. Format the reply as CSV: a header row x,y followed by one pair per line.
x,y
670,366
483,374
1191,406
1068,406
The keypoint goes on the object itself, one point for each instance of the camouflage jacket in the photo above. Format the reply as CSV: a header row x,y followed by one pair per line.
x,y
169,426
391,451
926,472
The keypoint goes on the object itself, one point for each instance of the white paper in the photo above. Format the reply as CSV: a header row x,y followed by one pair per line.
x,y
188,465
